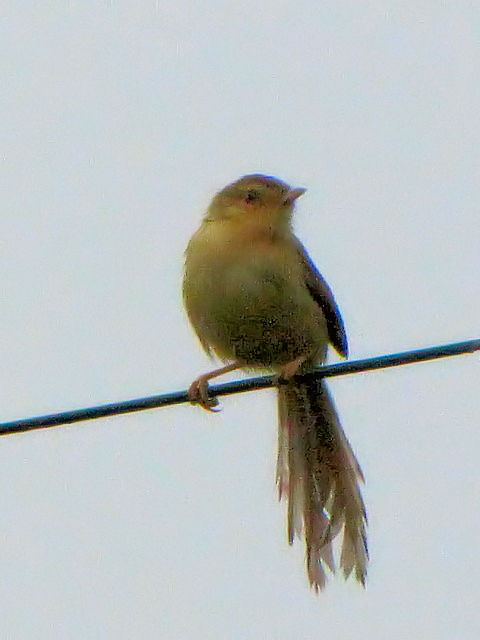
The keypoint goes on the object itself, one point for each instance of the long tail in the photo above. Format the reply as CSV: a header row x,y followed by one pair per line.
x,y
319,475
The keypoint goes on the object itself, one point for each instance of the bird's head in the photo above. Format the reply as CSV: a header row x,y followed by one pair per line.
x,y
255,199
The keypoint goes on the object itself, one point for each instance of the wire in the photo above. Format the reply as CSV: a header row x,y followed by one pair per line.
x,y
239,386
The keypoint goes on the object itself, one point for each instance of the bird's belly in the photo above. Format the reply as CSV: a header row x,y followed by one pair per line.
x,y
257,314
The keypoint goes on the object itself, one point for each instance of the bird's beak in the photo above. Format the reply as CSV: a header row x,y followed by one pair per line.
x,y
293,194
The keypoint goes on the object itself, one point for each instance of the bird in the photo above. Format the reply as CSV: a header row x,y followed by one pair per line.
x,y
257,302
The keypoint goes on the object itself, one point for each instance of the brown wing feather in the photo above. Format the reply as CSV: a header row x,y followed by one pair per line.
x,y
323,296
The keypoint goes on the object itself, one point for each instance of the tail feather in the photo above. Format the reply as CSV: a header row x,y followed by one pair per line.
x,y
319,475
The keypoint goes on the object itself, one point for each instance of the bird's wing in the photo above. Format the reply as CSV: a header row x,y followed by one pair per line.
x,y
321,293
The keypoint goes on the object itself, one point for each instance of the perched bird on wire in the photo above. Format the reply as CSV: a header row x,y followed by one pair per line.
x,y
257,301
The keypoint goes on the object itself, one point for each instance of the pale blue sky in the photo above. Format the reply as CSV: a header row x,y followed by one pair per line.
x,y
119,121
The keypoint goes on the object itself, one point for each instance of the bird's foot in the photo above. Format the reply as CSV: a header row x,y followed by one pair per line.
x,y
198,394
290,369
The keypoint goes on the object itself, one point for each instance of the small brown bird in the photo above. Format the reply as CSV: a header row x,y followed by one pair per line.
x,y
257,301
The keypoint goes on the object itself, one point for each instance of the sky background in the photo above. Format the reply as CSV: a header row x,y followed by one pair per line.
x,y
119,120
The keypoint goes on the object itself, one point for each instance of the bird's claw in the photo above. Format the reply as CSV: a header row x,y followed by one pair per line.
x,y
198,394
289,370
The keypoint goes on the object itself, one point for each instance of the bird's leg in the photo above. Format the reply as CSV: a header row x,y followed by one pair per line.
x,y
198,390
291,368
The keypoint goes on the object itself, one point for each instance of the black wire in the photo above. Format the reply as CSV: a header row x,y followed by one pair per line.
x,y
239,386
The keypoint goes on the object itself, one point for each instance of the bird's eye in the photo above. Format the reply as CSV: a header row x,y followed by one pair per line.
x,y
252,195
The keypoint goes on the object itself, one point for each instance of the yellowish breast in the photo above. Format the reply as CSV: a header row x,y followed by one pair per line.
x,y
245,295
